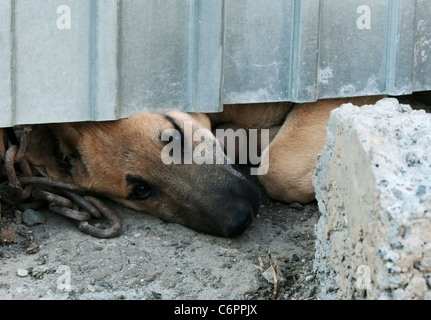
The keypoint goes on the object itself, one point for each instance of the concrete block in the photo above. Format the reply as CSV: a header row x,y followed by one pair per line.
x,y
373,186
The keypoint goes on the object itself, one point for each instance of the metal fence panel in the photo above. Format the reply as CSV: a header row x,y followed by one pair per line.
x,y
74,60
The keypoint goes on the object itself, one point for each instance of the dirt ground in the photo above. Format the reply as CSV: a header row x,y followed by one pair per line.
x,y
153,259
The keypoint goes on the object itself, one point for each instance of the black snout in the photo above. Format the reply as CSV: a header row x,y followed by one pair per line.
x,y
225,208
240,216
240,209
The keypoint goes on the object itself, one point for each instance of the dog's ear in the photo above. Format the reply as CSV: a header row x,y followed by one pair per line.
x,y
53,150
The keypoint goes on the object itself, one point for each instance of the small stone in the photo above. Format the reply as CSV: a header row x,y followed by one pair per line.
x,y
39,271
156,295
31,217
309,278
296,206
269,276
104,283
22,273
295,257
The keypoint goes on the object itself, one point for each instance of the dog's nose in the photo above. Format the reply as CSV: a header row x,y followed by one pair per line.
x,y
240,216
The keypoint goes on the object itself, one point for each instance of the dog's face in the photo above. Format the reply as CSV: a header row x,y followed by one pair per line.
x,y
122,160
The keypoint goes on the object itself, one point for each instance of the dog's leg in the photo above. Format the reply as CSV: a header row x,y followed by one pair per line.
x,y
245,117
253,116
293,152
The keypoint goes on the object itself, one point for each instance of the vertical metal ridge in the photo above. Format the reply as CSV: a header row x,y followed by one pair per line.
x,y
305,55
295,56
319,43
222,61
392,45
205,55
211,57
119,53
13,62
107,73
193,54
93,19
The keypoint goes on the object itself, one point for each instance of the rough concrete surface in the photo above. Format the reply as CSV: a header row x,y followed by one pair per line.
x,y
373,185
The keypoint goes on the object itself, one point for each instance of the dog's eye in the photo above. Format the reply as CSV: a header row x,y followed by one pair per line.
x,y
140,189
140,192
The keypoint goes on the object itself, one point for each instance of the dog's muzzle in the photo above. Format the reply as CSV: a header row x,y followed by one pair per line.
x,y
242,215
237,210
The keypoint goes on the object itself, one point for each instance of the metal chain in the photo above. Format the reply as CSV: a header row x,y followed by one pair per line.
x,y
63,198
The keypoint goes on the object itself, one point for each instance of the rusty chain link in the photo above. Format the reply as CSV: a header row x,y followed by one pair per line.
x,y
64,198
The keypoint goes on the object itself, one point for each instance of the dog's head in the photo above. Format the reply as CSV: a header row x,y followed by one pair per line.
x,y
123,160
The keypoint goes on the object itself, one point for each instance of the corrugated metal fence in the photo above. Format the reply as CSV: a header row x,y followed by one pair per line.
x,y
74,60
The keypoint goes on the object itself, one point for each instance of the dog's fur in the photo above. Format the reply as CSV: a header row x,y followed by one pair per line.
x,y
122,160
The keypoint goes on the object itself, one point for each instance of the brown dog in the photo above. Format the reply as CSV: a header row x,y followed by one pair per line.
x,y
122,160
